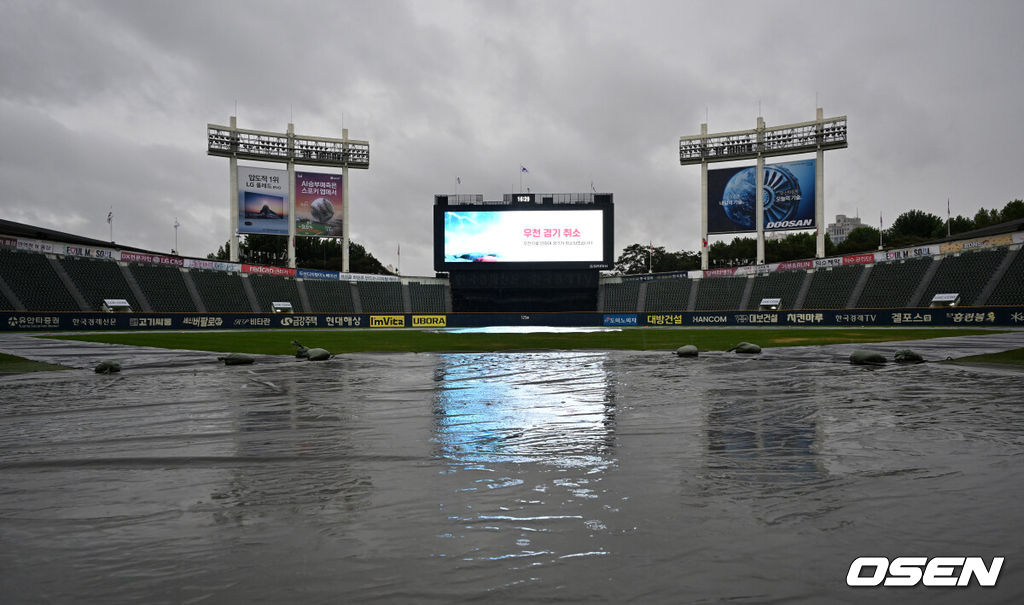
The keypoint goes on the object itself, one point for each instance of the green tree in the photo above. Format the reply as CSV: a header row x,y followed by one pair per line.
x,y
310,253
1012,211
640,258
916,225
861,239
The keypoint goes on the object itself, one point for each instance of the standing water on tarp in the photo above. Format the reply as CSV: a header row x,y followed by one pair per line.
x,y
524,477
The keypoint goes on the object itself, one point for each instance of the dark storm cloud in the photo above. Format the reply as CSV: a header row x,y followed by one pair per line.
x,y
106,104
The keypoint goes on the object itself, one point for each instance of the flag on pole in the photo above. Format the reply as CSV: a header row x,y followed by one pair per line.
x,y
110,217
704,242
176,223
458,180
523,169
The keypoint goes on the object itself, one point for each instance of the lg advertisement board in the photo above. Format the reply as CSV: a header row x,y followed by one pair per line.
x,y
262,200
788,197
556,237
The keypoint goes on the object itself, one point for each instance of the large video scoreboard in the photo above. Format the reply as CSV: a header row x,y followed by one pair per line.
x,y
532,231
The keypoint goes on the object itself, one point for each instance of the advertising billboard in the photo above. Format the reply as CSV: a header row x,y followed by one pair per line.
x,y
478,237
788,197
262,200
318,204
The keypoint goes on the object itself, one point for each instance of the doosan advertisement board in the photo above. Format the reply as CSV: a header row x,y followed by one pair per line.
x,y
262,200
788,197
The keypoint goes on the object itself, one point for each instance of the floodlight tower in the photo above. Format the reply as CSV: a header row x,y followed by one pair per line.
x,y
815,136
286,148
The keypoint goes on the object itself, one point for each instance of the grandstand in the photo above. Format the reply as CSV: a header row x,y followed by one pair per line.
x,y
832,287
49,277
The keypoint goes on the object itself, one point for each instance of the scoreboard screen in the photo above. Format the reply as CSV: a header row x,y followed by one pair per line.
x,y
489,237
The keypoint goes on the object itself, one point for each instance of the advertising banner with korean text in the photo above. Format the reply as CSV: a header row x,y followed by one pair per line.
x,y
318,204
524,236
788,197
262,200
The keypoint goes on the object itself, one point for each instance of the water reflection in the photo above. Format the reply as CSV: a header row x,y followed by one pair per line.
x,y
546,408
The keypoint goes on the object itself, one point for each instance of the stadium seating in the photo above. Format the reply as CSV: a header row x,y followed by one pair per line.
x,y
97,280
32,279
164,288
273,288
6,303
1010,290
427,298
780,284
890,285
668,294
720,293
621,297
380,296
221,291
831,288
965,274
329,296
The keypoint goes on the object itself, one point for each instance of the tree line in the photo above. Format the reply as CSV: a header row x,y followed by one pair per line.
x,y
909,229
310,253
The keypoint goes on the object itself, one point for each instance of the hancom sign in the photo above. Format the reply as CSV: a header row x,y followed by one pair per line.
x,y
788,197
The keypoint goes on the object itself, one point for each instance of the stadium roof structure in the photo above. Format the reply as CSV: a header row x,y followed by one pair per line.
x,y
14,229
998,229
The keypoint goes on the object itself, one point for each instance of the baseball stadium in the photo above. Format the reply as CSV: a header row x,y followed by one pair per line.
x,y
525,424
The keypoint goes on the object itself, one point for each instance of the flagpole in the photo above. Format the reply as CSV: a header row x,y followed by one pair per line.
x,y
948,226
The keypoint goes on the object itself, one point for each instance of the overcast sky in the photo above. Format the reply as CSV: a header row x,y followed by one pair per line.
x,y
104,105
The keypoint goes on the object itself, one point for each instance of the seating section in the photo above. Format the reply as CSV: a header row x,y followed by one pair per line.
x,y
965,275
97,280
720,293
621,297
427,298
221,291
36,282
890,285
272,288
164,288
32,279
329,296
831,288
781,284
1010,290
668,294
6,304
380,296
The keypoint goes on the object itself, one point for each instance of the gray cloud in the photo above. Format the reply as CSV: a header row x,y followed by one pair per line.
x,y
104,104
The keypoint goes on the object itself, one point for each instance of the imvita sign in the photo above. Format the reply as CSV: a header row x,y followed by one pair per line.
x,y
911,571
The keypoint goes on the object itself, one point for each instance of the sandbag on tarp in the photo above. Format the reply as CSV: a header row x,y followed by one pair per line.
x,y
317,354
310,354
861,357
237,359
746,348
687,351
108,366
908,356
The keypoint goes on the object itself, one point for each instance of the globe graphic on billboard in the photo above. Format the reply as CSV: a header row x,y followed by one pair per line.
x,y
781,196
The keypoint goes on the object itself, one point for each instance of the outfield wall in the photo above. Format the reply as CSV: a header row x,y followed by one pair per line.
x,y
14,321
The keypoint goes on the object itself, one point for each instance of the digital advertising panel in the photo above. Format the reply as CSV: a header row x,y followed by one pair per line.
x,y
477,237
788,197
262,200
318,204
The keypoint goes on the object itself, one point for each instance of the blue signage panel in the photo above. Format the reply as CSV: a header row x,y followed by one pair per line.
x,y
788,197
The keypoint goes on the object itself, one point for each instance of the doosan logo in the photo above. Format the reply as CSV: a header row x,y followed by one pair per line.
x,y
911,571
807,222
